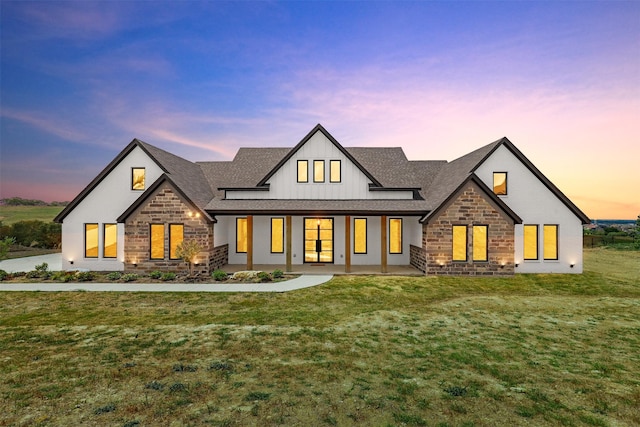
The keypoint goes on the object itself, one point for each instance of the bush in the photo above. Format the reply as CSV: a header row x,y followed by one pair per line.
x,y
155,274
263,276
130,277
84,276
219,275
277,274
168,276
114,275
3,275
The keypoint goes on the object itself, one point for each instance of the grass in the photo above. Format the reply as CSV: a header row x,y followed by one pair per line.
x,y
12,214
361,350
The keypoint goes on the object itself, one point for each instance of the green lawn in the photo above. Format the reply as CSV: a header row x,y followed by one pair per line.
x,y
360,350
12,214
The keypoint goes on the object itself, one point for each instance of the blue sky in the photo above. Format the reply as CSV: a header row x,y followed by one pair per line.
x,y
79,80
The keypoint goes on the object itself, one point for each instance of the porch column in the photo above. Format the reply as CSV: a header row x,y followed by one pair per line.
x,y
249,242
383,243
287,233
347,244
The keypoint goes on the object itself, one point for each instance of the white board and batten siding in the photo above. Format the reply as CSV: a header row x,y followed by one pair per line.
x,y
536,205
111,197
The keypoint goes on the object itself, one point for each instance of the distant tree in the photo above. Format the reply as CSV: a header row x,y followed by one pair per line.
x,y
5,244
188,250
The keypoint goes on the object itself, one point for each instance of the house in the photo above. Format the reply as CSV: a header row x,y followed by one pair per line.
x,y
489,212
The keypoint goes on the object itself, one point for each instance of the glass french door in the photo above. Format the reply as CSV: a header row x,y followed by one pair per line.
x,y
318,240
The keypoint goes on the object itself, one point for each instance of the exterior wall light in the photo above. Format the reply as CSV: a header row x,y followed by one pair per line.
x,y
516,264
571,265
71,261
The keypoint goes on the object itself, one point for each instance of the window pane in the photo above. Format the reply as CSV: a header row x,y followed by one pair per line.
x,y
110,249
137,182
500,182
395,235
360,235
277,235
459,242
334,171
157,241
550,242
241,235
530,242
303,171
480,242
318,171
91,240
176,236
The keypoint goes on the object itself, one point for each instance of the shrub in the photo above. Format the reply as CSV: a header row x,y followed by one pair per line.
x,y
114,275
42,268
168,276
219,275
130,277
277,274
154,385
84,276
155,274
263,276
3,275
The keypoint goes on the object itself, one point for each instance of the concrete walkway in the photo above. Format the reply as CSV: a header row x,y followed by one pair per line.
x,y
29,263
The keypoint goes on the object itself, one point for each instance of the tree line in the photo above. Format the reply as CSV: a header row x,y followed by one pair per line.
x,y
19,201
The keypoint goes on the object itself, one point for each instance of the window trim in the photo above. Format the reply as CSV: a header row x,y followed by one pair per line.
x,y
171,225
271,236
401,232
544,240
97,229
104,240
144,178
366,232
332,162
323,171
506,183
238,219
164,235
524,242
306,163
486,242
465,245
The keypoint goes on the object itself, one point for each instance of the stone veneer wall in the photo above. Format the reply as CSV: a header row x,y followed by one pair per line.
x,y
470,207
165,206
417,258
219,257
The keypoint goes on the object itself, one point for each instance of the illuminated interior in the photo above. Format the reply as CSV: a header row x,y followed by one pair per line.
x,y
303,171
110,241
530,242
91,240
318,239
480,243
500,183
241,235
318,171
277,235
550,241
334,171
459,242
360,236
157,241
137,182
395,235
176,236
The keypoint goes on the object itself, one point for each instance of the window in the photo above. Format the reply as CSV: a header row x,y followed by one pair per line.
x,y
110,248
360,236
176,236
318,171
91,240
303,171
480,252
277,235
550,241
334,171
530,242
459,240
395,235
241,235
157,241
500,183
137,178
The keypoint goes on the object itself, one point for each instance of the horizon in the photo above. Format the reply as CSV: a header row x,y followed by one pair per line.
x,y
200,80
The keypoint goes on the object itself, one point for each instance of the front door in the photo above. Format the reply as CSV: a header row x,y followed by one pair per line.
x,y
318,240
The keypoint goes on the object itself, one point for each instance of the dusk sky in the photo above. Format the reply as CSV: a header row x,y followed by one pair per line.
x,y
561,80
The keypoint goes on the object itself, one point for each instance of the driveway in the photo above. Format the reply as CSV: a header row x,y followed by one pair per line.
x,y
29,263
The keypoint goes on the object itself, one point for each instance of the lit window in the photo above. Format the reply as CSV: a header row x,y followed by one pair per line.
x,y
334,171
157,241
550,241
318,171
277,235
480,242
395,235
500,183
360,236
459,242
241,235
176,236
110,249
91,240
303,171
137,178
530,242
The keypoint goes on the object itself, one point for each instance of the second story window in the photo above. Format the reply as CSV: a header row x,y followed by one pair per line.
x,y
500,183
318,171
137,178
303,171
334,171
